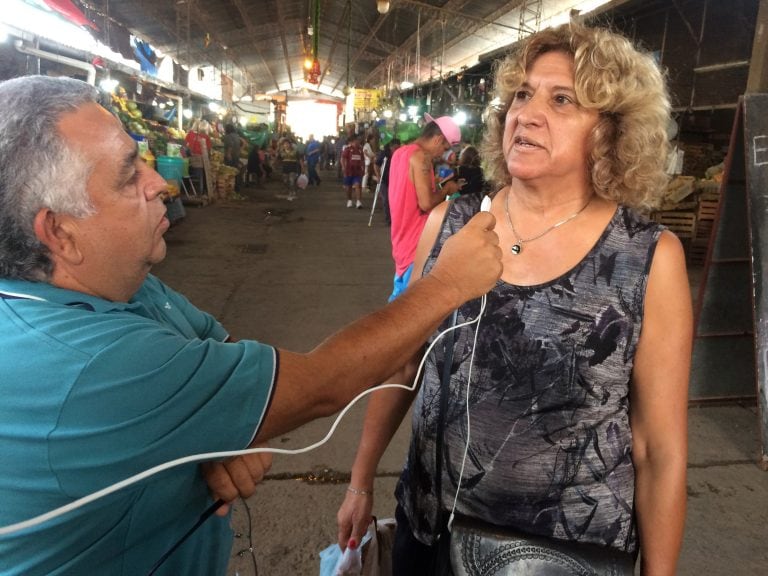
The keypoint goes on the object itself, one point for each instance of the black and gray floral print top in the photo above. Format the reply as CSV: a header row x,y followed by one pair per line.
x,y
550,444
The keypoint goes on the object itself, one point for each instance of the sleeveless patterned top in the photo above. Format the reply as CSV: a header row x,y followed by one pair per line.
x,y
550,443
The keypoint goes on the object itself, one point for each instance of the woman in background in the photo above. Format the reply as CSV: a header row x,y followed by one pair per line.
x,y
471,172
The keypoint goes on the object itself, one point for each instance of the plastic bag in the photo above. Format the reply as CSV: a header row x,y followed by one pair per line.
x,y
375,547
351,561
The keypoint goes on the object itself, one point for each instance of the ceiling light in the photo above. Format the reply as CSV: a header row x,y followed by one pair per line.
x,y
382,6
213,106
460,117
387,114
405,85
109,84
187,113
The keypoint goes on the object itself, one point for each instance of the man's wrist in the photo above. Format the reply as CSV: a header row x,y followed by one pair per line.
x,y
452,296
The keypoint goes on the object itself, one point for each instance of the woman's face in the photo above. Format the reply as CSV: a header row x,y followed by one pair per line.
x,y
546,131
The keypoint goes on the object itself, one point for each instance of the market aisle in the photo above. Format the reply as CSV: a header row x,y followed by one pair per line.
x,y
290,273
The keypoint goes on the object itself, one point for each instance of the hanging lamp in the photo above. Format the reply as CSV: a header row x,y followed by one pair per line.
x,y
313,75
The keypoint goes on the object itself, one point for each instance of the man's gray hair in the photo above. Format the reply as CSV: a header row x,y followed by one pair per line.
x,y
37,168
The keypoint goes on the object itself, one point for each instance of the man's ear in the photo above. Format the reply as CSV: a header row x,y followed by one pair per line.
x,y
56,232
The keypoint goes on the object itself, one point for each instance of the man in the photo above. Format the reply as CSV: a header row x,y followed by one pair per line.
x,y
232,145
107,372
312,159
382,168
368,156
353,168
413,193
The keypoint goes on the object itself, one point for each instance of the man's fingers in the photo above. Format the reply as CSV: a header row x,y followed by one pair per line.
x,y
239,470
222,510
484,220
258,465
218,480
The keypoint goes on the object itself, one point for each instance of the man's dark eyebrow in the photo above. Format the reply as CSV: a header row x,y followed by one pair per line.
x,y
126,166
129,160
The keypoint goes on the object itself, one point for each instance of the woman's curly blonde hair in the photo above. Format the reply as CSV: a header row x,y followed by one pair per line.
x,y
626,86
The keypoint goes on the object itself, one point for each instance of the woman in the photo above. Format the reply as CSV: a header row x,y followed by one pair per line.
x,y
198,134
578,391
291,162
470,170
369,155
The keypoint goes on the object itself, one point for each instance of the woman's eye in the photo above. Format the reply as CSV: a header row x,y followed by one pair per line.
x,y
563,99
521,95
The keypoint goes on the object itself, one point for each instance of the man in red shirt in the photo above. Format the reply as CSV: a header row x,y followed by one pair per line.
x,y
353,168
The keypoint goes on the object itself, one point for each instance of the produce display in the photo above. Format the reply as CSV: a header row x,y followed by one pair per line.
x,y
156,140
158,135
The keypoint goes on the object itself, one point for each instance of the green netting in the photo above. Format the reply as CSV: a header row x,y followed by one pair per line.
x,y
257,137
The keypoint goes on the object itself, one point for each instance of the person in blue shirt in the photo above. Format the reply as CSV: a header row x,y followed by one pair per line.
x,y
312,155
107,372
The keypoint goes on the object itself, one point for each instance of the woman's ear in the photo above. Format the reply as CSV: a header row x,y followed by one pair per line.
x,y
56,232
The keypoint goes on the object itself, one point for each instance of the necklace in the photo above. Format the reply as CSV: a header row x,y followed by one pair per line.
x,y
517,247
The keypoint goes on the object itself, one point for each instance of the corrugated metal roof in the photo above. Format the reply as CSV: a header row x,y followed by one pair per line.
x,y
262,43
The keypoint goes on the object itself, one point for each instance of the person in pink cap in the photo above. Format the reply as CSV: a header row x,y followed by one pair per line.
x,y
413,191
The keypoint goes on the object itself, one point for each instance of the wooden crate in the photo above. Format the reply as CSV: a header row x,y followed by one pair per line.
x,y
681,222
705,220
707,210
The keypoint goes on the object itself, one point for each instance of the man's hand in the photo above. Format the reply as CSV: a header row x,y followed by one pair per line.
x,y
470,261
235,477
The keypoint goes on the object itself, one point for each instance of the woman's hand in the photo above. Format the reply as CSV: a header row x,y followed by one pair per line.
x,y
235,477
354,516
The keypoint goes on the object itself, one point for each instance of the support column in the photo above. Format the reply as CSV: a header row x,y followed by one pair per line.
x,y
758,65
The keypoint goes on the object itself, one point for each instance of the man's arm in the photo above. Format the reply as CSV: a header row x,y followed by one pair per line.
x,y
323,381
659,410
421,173
384,414
364,353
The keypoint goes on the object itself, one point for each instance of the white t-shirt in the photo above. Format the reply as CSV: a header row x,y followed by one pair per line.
x,y
368,153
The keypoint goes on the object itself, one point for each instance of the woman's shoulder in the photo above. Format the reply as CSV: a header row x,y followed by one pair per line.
x,y
635,221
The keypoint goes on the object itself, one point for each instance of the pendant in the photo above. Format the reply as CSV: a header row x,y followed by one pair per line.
x,y
516,249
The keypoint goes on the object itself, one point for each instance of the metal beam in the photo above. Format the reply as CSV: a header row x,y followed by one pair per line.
x,y
452,8
370,36
252,31
277,4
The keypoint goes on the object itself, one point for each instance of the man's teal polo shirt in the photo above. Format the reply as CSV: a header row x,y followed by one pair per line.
x,y
96,391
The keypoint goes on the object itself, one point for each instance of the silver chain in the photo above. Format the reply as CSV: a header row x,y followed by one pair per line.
x,y
517,247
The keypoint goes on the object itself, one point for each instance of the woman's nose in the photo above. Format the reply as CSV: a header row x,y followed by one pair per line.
x,y
532,111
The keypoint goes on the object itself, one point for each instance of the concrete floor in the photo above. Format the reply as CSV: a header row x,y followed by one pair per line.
x,y
291,273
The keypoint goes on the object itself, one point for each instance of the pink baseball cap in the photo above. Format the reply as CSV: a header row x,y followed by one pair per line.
x,y
448,127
